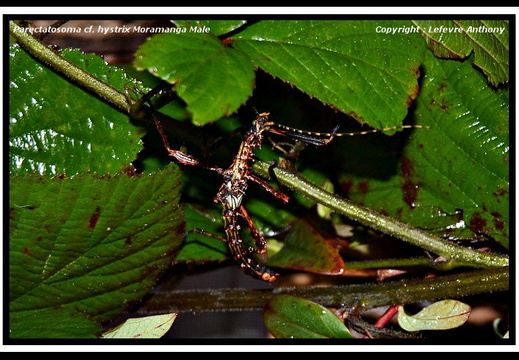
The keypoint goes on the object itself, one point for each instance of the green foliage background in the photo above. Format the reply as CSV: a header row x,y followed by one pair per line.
x,y
89,237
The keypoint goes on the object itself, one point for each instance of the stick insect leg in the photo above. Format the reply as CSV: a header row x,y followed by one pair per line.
x,y
182,157
203,232
275,192
249,265
242,255
235,243
259,240
272,174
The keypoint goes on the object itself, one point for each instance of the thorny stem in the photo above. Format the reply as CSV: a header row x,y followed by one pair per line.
x,y
65,67
452,255
363,297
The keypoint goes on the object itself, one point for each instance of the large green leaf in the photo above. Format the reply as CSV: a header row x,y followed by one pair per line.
x,y
55,127
454,176
351,65
465,164
212,79
90,244
488,39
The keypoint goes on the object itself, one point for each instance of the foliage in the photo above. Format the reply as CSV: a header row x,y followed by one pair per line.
x,y
150,327
290,317
89,237
440,315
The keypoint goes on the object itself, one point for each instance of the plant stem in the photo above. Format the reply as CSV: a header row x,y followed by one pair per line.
x,y
363,297
70,70
106,92
390,263
452,255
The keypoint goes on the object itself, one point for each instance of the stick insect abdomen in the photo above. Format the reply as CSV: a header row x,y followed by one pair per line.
x,y
242,253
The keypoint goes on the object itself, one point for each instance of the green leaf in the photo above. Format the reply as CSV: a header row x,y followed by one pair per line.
x,y
441,315
52,323
89,244
453,177
149,327
57,128
463,159
291,317
488,39
212,79
364,73
305,249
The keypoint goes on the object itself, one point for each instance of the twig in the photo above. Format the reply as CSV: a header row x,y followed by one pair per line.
x,y
70,70
363,297
452,255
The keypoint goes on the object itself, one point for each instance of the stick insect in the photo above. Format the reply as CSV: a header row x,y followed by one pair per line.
x,y
235,184
231,193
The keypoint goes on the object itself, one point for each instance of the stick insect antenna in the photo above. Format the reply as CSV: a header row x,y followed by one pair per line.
x,y
323,138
